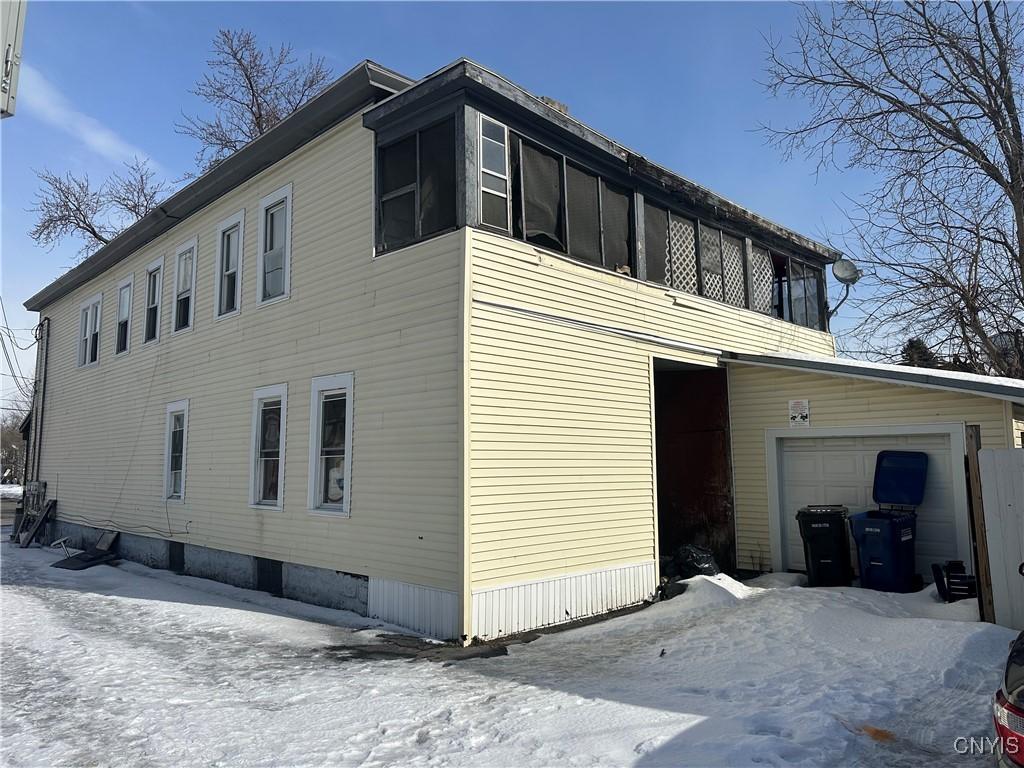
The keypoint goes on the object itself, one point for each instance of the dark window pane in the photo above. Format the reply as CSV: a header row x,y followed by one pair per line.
x,y
495,211
333,474
182,316
493,131
151,317
655,242
398,220
269,472
437,178
798,292
122,336
227,290
543,218
780,287
94,347
617,223
398,165
332,433
584,214
493,157
270,428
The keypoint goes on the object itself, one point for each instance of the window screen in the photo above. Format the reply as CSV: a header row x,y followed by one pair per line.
x,y
798,292
812,290
584,208
617,225
543,214
437,178
711,262
656,247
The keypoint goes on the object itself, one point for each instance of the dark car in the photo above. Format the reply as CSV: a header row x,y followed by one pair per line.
x,y
1008,709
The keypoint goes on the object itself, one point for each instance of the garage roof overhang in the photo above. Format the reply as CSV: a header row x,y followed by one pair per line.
x,y
363,85
953,381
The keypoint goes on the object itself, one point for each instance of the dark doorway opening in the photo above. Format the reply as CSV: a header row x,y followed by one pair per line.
x,y
695,503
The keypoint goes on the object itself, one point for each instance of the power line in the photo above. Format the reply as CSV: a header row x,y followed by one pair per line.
x,y
11,366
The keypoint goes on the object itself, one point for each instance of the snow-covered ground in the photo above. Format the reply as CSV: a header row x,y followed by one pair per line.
x,y
10,492
131,666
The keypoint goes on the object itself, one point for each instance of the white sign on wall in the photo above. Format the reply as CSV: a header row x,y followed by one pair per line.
x,y
799,413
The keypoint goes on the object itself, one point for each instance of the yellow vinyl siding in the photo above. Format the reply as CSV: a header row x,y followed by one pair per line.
x,y
759,400
561,449
394,321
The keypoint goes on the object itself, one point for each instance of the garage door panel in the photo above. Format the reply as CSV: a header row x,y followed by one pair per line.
x,y
841,471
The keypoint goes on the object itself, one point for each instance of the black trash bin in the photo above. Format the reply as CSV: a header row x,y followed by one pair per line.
x,y
826,545
886,536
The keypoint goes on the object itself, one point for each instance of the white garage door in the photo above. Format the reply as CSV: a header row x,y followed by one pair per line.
x,y
840,470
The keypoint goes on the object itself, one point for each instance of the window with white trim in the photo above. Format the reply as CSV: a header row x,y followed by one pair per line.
x,y
89,330
228,286
184,285
330,444
274,251
154,284
175,450
494,193
269,410
124,315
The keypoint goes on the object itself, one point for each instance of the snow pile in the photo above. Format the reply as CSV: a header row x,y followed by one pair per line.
x,y
181,671
8,492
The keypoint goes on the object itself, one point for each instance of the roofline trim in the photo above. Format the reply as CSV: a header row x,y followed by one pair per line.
x,y
911,377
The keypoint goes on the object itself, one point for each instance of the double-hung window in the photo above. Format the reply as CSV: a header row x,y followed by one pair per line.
x,y
184,285
228,288
176,443
494,189
154,285
269,408
89,330
124,315
330,444
274,252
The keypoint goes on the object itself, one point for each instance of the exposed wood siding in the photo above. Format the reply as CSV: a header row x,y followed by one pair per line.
x,y
393,321
561,476
759,400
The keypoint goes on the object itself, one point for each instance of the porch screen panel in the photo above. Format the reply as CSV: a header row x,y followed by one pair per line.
x,y
798,292
711,262
732,271
761,278
681,267
437,178
584,214
656,246
616,224
543,213
812,289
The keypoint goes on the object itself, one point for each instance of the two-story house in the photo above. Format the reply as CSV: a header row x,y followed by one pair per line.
x,y
439,353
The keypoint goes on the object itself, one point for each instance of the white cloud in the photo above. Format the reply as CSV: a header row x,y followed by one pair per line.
x,y
40,98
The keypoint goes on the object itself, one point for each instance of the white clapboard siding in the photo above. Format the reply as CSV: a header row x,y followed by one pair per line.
x,y
432,612
1002,489
513,608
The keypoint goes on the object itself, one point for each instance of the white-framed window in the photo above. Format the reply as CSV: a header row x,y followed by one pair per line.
x,y
175,448
154,287
273,252
228,283
269,418
89,330
495,199
124,315
330,444
184,285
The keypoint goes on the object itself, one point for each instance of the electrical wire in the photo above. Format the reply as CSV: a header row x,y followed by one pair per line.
x,y
11,366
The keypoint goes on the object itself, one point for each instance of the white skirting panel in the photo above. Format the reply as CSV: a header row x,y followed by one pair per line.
x,y
429,611
511,608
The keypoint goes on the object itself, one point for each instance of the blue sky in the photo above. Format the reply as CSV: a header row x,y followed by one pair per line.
x,y
677,82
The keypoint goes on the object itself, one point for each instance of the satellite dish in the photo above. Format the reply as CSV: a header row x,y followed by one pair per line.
x,y
846,272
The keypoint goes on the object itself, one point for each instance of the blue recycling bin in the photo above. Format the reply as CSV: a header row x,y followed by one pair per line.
x,y
886,536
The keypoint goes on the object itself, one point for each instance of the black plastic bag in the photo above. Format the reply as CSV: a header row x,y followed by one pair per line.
x,y
690,560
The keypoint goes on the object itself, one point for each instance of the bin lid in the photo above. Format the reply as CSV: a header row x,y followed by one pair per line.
x,y
899,477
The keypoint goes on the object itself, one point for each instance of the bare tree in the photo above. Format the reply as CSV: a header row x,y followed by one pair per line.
x,y
927,97
72,206
12,447
251,91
